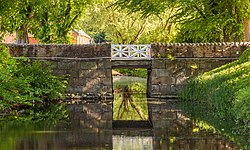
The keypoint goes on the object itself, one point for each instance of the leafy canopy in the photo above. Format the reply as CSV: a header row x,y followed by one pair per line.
x,y
48,20
199,20
103,21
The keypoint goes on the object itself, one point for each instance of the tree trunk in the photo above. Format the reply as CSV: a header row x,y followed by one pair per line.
x,y
22,35
246,30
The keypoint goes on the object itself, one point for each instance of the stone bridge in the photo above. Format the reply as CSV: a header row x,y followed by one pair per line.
x,y
169,66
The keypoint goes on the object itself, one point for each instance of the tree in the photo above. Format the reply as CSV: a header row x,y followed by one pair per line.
x,y
100,37
120,27
199,20
19,16
60,18
48,20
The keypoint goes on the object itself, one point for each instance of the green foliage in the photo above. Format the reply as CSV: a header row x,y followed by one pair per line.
x,y
212,21
123,28
135,84
58,19
146,7
245,56
137,87
40,78
26,86
100,37
138,72
241,105
221,97
48,20
130,102
198,21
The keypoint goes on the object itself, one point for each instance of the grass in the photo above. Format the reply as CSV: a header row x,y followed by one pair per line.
x,y
221,98
136,84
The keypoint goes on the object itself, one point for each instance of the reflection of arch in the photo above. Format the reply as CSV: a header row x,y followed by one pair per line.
x,y
126,100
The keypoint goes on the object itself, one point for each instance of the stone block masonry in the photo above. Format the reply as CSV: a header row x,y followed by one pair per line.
x,y
90,66
87,66
174,64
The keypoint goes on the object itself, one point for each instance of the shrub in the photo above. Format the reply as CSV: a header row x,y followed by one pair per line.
x,y
139,72
241,105
26,84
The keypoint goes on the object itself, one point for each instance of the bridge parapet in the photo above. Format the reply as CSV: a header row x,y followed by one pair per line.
x,y
61,50
199,50
130,52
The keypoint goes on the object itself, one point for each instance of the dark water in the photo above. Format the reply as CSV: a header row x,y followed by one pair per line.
x,y
91,127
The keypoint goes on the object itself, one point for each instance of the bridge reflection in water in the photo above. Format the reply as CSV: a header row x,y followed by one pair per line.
x,y
91,128
130,107
130,121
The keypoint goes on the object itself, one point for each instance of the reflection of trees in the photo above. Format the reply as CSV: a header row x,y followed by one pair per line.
x,y
126,100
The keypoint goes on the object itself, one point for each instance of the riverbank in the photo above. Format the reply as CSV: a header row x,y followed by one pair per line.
x,y
221,98
28,89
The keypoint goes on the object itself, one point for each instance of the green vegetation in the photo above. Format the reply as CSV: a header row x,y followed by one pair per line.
x,y
133,107
138,72
28,90
130,102
196,20
221,98
135,84
127,21
50,21
117,26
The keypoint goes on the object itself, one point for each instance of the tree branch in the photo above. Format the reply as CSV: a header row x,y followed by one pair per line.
x,y
200,12
139,33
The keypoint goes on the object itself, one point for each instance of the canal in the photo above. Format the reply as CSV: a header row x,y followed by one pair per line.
x,y
90,127
131,121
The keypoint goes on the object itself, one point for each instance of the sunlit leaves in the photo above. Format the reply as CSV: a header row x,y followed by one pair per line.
x,y
48,20
121,27
146,7
23,83
199,20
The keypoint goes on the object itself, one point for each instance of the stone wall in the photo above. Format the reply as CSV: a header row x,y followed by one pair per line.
x,y
88,66
61,50
199,50
169,76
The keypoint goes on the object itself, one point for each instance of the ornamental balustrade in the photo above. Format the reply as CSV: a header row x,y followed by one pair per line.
x,y
122,51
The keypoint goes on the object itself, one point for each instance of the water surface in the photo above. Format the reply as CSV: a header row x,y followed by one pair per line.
x,y
90,127
130,121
